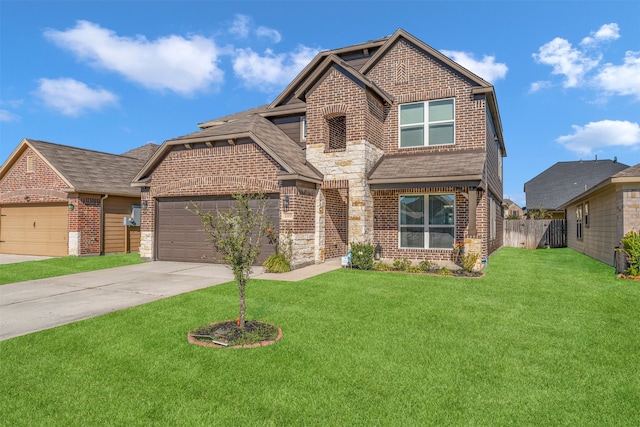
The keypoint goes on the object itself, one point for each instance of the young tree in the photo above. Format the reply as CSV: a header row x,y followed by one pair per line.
x,y
237,234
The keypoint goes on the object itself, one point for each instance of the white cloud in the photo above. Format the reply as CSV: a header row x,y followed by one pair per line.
x,y
71,97
487,68
8,116
605,133
539,85
621,79
606,33
269,33
182,65
566,60
240,26
269,70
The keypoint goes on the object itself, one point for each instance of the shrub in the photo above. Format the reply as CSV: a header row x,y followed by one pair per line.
x,y
382,266
401,264
469,261
277,263
445,271
631,248
427,266
362,256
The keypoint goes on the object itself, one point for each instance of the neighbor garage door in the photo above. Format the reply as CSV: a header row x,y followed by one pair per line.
x,y
180,235
34,230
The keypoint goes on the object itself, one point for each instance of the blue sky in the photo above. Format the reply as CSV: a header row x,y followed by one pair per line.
x,y
114,75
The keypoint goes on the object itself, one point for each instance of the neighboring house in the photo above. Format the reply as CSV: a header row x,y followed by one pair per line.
x,y
386,142
512,210
565,180
58,200
598,218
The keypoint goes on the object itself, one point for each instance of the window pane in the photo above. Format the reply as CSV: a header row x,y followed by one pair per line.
x,y
412,113
441,134
441,110
441,237
412,237
411,210
412,137
441,210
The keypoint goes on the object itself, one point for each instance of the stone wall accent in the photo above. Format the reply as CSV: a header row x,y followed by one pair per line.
x,y
474,246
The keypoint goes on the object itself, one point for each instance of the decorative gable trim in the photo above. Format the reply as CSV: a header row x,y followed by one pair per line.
x,y
426,95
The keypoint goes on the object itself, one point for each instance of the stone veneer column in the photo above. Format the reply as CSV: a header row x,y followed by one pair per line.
x,y
352,164
319,238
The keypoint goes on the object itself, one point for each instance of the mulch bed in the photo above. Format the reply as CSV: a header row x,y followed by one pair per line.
x,y
228,332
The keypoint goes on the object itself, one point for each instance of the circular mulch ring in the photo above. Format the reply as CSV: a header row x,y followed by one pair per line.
x,y
197,341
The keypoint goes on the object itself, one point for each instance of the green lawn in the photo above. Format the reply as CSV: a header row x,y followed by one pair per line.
x,y
546,338
30,270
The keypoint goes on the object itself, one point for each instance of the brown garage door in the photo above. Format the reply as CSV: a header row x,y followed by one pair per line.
x,y
34,230
181,237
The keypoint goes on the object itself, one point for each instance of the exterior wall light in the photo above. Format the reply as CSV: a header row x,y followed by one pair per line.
x,y
285,203
71,207
377,252
145,203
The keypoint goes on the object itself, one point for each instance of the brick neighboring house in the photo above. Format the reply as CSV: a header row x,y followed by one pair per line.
x,y
598,218
386,142
512,209
563,181
57,200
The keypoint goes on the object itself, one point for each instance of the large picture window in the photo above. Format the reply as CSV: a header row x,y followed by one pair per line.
x,y
427,123
427,221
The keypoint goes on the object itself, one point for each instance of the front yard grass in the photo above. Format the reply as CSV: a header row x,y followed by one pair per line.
x,y
31,270
547,337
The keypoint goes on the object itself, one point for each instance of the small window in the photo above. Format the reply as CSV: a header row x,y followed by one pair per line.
x,y
427,221
303,128
586,215
31,164
579,219
427,123
492,220
337,127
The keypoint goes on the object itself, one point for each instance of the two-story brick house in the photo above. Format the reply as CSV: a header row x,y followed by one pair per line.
x,y
387,142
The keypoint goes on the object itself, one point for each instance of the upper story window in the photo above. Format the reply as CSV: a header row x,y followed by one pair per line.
x,y
337,128
303,128
427,123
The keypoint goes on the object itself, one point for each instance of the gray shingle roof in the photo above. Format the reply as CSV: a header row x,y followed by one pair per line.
x,y
630,172
566,180
94,171
446,166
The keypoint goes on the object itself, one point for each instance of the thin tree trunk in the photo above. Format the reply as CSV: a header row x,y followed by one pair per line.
x,y
243,302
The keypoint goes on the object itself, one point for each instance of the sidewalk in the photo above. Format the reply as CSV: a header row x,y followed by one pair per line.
x,y
302,273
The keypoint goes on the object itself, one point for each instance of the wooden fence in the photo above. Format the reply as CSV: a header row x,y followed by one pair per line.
x,y
533,233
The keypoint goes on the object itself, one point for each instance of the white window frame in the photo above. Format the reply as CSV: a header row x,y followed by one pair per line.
x,y
426,123
303,128
426,226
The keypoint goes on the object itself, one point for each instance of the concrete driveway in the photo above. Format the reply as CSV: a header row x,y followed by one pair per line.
x,y
35,305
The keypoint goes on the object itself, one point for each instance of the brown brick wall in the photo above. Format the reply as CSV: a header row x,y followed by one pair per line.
x,y
434,81
85,218
338,95
41,185
386,204
336,225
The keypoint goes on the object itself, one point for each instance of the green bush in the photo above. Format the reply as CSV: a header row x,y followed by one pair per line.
x,y
382,266
469,261
427,266
277,263
402,264
362,256
631,248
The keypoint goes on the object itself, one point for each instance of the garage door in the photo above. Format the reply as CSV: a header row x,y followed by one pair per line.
x,y
180,235
34,230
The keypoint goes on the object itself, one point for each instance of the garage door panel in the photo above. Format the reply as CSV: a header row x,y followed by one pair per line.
x,y
181,237
34,230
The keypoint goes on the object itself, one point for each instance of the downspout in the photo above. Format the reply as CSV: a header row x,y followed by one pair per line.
x,y
102,199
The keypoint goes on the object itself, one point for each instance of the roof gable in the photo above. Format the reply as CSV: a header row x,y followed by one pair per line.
x,y
84,170
286,152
